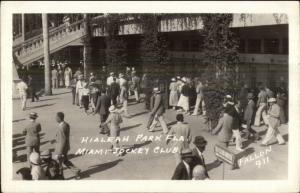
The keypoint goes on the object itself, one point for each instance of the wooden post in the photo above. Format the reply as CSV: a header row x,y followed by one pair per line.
x,y
48,90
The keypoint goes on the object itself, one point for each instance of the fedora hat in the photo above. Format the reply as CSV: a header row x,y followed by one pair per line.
x,y
33,115
272,100
185,153
199,140
112,109
250,96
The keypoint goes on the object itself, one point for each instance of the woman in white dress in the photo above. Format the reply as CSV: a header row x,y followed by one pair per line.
x,y
68,76
184,97
173,100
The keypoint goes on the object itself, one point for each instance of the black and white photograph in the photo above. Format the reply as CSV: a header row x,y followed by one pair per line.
x,y
150,95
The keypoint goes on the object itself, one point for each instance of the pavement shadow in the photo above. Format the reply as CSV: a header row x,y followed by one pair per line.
x,y
286,137
61,93
17,135
40,106
134,146
18,120
245,153
72,156
140,113
130,127
42,100
98,168
171,123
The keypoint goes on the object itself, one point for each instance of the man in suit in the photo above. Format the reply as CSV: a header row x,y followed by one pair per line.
x,y
249,114
62,147
179,130
200,144
184,169
102,106
54,77
32,130
114,91
146,86
156,114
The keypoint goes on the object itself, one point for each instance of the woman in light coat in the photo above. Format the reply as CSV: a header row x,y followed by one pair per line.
x,y
173,100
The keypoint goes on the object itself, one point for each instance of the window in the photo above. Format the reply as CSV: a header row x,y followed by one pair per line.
x,y
254,46
242,46
285,46
271,46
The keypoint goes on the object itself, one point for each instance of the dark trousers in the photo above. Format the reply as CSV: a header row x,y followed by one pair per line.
x,y
249,130
33,94
114,100
73,95
85,102
147,93
103,118
64,160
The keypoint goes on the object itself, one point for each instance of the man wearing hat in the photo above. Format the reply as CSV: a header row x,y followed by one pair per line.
x,y
158,109
63,145
200,144
200,98
184,169
124,94
79,87
50,166
102,106
32,130
273,124
136,86
249,114
54,78
37,171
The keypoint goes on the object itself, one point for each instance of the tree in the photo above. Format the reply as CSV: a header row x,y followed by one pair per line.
x,y
221,57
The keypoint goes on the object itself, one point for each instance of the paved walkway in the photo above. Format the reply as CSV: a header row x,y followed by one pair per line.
x,y
257,162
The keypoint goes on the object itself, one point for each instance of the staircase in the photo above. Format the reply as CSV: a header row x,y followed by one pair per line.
x,y
59,38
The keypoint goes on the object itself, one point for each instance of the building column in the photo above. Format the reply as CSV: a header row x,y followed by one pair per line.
x,y
48,90
280,45
87,49
23,26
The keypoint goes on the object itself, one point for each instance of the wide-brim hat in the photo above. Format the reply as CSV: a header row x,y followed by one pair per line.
x,y
200,141
112,109
250,96
173,79
34,158
33,115
186,153
272,100
183,79
45,154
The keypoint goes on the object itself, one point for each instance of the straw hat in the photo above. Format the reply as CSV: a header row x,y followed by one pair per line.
x,y
185,153
271,100
45,154
112,109
34,158
33,115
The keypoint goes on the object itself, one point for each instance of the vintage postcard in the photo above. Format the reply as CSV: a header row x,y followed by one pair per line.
x,y
150,96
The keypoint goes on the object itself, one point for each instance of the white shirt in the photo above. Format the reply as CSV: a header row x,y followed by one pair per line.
x,y
187,168
22,87
109,80
200,154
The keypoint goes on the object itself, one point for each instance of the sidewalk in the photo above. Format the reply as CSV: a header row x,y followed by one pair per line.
x,y
260,163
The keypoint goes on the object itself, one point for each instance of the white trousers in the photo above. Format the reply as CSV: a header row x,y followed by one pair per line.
x,y
271,132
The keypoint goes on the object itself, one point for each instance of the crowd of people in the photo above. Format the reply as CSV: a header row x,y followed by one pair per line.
x,y
107,94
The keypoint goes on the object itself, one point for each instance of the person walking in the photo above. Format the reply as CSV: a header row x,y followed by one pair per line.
x,y
32,88
200,145
146,86
54,78
261,105
180,130
136,86
282,102
94,93
184,169
114,120
62,147
102,107
124,94
50,166
85,98
32,134
60,77
249,114
110,79
273,117
73,90
79,86
114,92
22,87
200,99
184,97
173,98
156,114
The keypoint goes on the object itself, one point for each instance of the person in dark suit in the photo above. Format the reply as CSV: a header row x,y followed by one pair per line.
x,y
249,115
32,88
146,86
158,109
184,169
32,139
114,91
200,144
63,146
102,106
